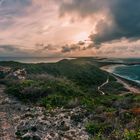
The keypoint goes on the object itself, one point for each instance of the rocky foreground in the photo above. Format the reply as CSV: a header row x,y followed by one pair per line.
x,y
28,122
20,121
68,100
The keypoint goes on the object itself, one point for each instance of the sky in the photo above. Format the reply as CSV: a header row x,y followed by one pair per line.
x,y
69,28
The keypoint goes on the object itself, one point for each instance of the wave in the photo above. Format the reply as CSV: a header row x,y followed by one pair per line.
x,y
127,78
114,69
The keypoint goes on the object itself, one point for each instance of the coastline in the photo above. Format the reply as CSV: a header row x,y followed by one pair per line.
x,y
111,68
129,84
34,60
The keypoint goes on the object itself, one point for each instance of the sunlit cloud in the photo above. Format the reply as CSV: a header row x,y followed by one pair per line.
x,y
101,25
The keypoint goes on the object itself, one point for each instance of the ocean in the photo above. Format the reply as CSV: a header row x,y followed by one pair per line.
x,y
32,59
131,72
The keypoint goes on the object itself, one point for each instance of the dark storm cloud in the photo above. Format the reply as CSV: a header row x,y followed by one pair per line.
x,y
81,43
65,49
70,48
80,46
125,16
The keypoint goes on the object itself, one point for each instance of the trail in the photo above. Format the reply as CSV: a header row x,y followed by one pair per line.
x,y
128,86
99,87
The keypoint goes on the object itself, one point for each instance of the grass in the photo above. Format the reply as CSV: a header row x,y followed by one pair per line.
x,y
131,134
74,79
74,83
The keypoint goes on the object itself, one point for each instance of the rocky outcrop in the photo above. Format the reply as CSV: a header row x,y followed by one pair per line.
x,y
36,123
54,125
19,74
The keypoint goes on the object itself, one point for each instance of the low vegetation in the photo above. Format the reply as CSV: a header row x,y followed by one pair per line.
x,y
74,83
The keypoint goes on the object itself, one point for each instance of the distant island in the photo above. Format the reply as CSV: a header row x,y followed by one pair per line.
x,y
73,99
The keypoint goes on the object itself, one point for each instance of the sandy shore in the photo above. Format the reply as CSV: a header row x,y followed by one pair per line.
x,y
111,68
131,85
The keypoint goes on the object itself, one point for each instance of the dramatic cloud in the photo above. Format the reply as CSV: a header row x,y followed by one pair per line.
x,y
126,17
27,22
121,19
88,27
49,47
80,46
121,48
70,48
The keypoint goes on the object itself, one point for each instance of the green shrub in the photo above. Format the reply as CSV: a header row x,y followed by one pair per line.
x,y
110,109
93,128
34,90
131,135
56,100
97,129
88,103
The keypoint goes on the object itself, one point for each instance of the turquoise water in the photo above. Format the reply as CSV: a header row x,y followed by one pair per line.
x,y
129,72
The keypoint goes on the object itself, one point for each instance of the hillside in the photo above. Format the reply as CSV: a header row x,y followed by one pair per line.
x,y
64,100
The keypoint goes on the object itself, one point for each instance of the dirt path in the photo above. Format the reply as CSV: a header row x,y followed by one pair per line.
x,y
10,111
99,88
128,86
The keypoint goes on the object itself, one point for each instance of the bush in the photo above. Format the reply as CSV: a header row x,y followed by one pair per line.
x,y
93,128
34,90
88,102
131,135
56,100
99,128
